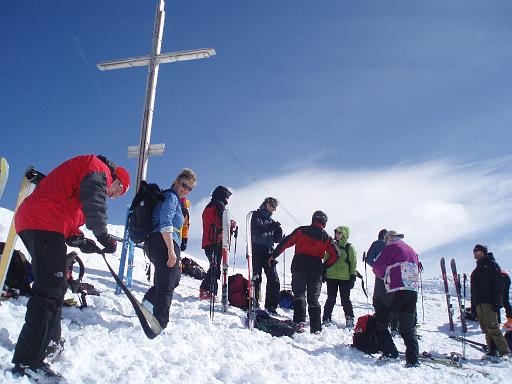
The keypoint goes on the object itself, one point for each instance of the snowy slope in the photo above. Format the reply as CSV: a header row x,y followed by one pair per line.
x,y
105,343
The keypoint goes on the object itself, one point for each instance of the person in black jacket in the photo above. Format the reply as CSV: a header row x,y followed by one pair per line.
x,y
487,298
265,231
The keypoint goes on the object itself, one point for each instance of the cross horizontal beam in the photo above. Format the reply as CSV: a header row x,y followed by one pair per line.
x,y
142,61
153,150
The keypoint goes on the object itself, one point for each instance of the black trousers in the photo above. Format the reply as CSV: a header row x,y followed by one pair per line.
x,y
306,285
165,279
259,264
344,287
44,308
209,283
404,303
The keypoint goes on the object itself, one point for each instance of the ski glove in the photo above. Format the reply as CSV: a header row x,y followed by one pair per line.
x,y
89,246
108,242
75,241
352,281
183,246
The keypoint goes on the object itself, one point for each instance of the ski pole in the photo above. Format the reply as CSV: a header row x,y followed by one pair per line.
x,y
235,234
366,282
421,287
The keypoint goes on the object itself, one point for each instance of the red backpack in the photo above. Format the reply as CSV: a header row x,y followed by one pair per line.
x,y
238,295
365,335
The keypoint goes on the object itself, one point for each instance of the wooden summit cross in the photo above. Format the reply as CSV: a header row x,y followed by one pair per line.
x,y
145,149
153,61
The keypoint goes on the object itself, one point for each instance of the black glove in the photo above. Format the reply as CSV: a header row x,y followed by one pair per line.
x,y
272,261
278,234
183,246
108,242
275,225
352,281
496,308
76,241
324,275
90,246
420,266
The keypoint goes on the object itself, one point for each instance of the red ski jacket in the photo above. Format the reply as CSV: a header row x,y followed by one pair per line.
x,y
212,224
311,243
71,195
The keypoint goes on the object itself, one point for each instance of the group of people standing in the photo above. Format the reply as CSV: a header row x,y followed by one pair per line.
x,y
75,193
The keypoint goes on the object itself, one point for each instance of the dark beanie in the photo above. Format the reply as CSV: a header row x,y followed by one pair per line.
x,y
382,233
480,247
221,193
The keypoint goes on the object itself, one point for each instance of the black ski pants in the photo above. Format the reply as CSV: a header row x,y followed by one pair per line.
x,y
214,255
307,285
44,308
404,303
165,279
259,264
344,287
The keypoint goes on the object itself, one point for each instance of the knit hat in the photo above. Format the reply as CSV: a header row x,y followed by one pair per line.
x,y
221,193
390,235
124,178
480,247
382,233
320,217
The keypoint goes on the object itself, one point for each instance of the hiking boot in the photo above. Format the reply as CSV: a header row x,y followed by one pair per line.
x,y
349,322
326,322
271,311
54,349
41,374
300,327
204,294
412,365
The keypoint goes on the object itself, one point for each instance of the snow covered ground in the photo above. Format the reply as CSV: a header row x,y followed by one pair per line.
x,y
105,343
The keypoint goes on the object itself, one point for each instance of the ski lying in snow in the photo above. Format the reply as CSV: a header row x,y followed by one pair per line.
x,y
149,323
456,281
251,310
29,182
447,294
480,346
4,174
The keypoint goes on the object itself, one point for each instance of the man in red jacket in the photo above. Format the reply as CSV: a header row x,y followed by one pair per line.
x,y
311,243
73,194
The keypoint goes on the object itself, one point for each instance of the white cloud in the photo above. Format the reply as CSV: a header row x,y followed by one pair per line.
x,y
434,204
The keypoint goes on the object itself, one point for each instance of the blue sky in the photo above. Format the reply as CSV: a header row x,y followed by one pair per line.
x,y
382,113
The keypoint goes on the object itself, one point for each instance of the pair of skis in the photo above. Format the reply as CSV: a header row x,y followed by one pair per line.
x,y
456,280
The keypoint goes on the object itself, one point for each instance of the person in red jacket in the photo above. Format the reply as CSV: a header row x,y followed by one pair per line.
x,y
73,194
212,240
311,243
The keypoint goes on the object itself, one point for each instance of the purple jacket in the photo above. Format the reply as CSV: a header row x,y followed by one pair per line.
x,y
397,265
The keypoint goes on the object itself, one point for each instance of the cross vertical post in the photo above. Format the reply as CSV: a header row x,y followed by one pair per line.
x,y
145,149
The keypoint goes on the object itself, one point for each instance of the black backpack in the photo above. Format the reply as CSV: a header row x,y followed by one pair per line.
x,y
19,275
266,323
365,335
76,285
190,268
141,211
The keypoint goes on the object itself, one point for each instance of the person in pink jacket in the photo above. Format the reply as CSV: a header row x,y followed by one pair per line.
x,y
398,266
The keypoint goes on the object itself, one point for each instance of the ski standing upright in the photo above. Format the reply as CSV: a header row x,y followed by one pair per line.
x,y
225,258
251,310
28,184
447,294
456,281
4,174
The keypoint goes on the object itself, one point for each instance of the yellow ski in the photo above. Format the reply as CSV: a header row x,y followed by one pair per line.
x,y
29,182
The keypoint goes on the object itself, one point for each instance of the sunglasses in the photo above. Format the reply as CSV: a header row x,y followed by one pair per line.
x,y
476,250
186,186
